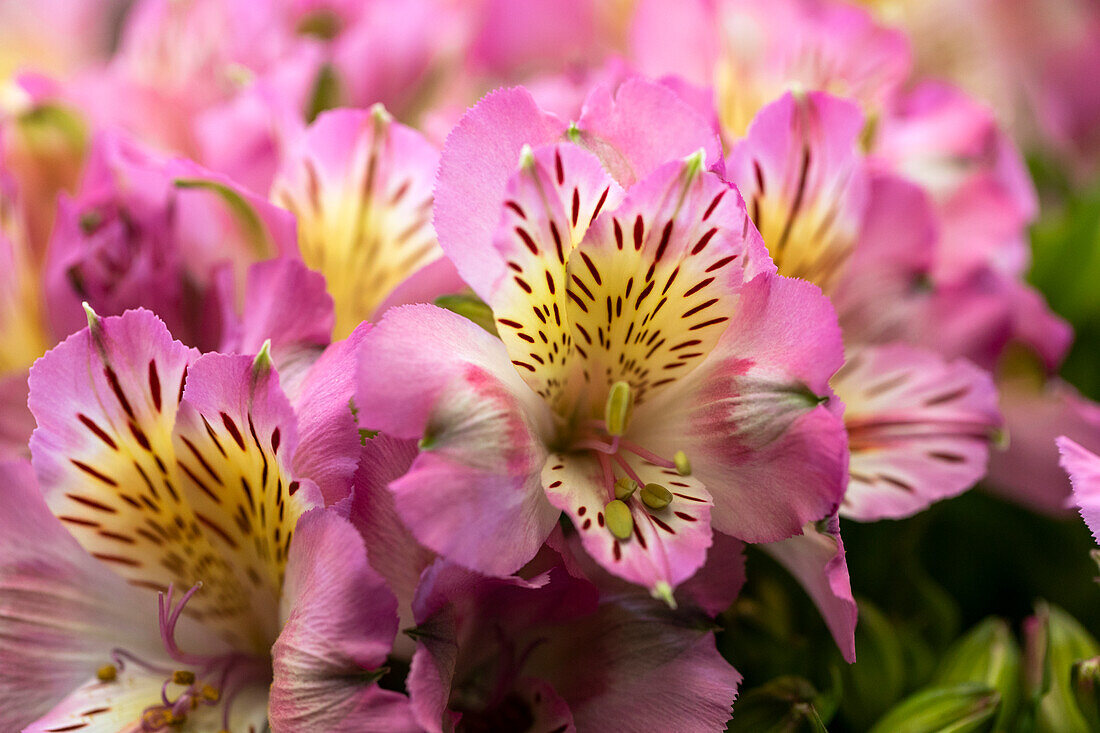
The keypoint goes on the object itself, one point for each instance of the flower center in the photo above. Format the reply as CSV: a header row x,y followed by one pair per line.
x,y
202,680
604,440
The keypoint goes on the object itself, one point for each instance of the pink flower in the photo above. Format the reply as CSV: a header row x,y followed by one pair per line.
x,y
643,337
177,471
1083,468
360,186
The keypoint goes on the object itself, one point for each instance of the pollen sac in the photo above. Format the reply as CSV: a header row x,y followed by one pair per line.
x,y
107,673
183,677
683,465
619,519
625,488
620,403
656,496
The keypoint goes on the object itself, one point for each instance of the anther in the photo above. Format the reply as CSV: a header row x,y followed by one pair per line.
x,y
107,673
620,403
210,693
625,488
183,677
656,496
619,519
683,465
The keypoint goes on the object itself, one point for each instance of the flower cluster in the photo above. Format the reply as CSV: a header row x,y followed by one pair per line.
x,y
428,365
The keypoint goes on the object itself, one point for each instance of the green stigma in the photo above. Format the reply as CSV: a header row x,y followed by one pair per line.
x,y
619,520
656,496
620,403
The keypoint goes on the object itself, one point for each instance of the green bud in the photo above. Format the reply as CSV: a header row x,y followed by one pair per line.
x,y
878,680
619,520
987,654
656,496
625,488
1085,681
968,707
620,403
1067,642
784,704
683,465
470,307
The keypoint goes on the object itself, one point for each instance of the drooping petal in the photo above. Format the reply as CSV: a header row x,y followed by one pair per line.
x,y
339,628
430,374
235,442
549,204
638,127
666,546
804,182
479,156
607,665
816,559
919,429
61,611
361,187
755,418
1083,468
653,284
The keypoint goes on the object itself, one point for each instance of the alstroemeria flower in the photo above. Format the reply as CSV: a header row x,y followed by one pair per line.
x,y
751,53
360,186
918,426
547,654
180,473
652,374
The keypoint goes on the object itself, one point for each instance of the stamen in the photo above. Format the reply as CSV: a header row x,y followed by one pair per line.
x,y
629,471
656,496
641,452
625,488
620,404
619,519
183,677
683,465
107,673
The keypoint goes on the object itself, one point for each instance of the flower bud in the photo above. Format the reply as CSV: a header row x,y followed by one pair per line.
x,y
987,654
783,704
968,707
1067,642
1085,682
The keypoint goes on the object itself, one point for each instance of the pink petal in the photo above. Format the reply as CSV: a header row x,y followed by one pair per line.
x,y
754,418
804,182
717,584
668,545
1083,468
63,611
360,186
674,37
479,156
16,421
428,373
816,559
339,630
919,429
1035,415
328,451
642,126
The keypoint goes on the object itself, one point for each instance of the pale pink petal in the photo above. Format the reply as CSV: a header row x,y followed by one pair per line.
x,y
424,286
757,419
479,156
1036,413
674,37
430,374
1083,468
338,630
816,559
667,545
641,126
919,429
328,451
61,611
